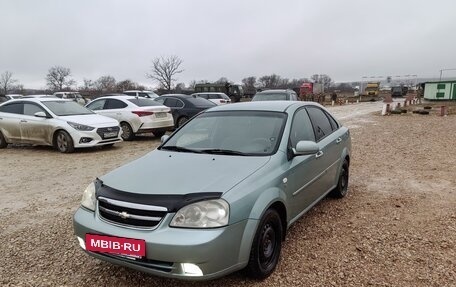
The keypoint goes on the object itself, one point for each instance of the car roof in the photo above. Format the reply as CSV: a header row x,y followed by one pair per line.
x,y
39,100
275,91
277,106
208,93
144,91
116,96
177,95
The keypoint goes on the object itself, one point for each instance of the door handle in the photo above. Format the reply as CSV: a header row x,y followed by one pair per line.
x,y
23,121
319,154
338,140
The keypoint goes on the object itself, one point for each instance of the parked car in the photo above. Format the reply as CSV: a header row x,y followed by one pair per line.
x,y
74,96
140,93
275,95
38,96
184,107
136,115
55,122
219,194
14,96
216,98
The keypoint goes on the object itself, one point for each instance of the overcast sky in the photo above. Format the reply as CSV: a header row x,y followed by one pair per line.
x,y
231,38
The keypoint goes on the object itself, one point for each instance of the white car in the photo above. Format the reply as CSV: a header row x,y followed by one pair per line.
x,y
216,98
51,121
14,96
136,115
143,94
74,96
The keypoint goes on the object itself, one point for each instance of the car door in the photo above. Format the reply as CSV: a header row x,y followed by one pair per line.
x,y
304,178
173,104
113,108
329,145
10,117
35,130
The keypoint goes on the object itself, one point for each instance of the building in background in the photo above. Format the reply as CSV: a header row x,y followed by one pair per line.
x,y
440,90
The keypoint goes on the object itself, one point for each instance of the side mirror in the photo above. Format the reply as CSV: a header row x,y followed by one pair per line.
x,y
40,115
164,138
306,148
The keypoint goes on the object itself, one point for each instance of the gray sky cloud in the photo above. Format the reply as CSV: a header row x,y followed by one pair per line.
x,y
235,39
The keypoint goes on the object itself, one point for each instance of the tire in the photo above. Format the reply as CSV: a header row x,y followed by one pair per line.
x,y
64,142
159,133
127,131
341,189
266,246
181,121
3,143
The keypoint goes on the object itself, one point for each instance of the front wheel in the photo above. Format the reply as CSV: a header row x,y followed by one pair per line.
x,y
266,246
341,189
64,142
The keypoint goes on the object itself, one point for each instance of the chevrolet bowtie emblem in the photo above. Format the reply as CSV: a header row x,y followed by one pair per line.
x,y
124,215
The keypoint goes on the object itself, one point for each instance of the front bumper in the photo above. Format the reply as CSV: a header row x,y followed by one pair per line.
x,y
80,138
216,252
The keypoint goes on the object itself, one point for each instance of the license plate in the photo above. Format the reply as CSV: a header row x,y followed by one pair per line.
x,y
110,135
160,115
129,247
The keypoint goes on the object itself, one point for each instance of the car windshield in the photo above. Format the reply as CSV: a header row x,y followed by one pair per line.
x,y
200,102
271,97
66,108
143,102
237,133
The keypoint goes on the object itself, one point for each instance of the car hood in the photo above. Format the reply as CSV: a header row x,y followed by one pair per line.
x,y
91,120
179,173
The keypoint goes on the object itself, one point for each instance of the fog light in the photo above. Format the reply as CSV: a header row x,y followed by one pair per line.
x,y
191,269
81,242
85,140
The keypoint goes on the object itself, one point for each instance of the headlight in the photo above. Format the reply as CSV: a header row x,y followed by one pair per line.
x,y
80,127
88,197
203,214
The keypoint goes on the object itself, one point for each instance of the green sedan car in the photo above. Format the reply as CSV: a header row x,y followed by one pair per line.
x,y
219,194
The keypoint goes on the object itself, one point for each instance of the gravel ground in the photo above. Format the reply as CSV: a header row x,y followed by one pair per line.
x,y
397,227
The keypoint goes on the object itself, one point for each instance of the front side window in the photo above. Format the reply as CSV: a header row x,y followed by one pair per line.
x,y
31,109
320,122
143,102
96,105
301,128
243,133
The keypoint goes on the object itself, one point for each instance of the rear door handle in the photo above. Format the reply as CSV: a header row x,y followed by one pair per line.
x,y
338,140
23,121
319,154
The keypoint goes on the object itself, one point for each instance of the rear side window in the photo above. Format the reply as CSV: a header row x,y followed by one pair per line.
x,y
204,96
16,108
171,102
114,104
320,122
142,102
333,122
130,93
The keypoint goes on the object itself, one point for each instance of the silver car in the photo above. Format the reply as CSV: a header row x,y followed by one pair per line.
x,y
51,121
219,194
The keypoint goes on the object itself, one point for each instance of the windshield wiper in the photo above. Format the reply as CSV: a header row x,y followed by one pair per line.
x,y
179,149
223,151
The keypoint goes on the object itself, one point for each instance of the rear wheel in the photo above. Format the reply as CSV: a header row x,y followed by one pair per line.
x,y
266,246
127,131
3,143
64,142
341,189
181,121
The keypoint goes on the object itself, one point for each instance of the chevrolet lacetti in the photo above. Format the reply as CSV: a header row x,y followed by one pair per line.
x,y
219,194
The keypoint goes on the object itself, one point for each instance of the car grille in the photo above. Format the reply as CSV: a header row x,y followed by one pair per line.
x,y
109,132
149,263
130,214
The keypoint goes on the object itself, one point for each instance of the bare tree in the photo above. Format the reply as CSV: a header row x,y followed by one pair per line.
x,y
192,84
128,85
7,82
58,78
270,81
164,69
322,79
106,84
222,80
